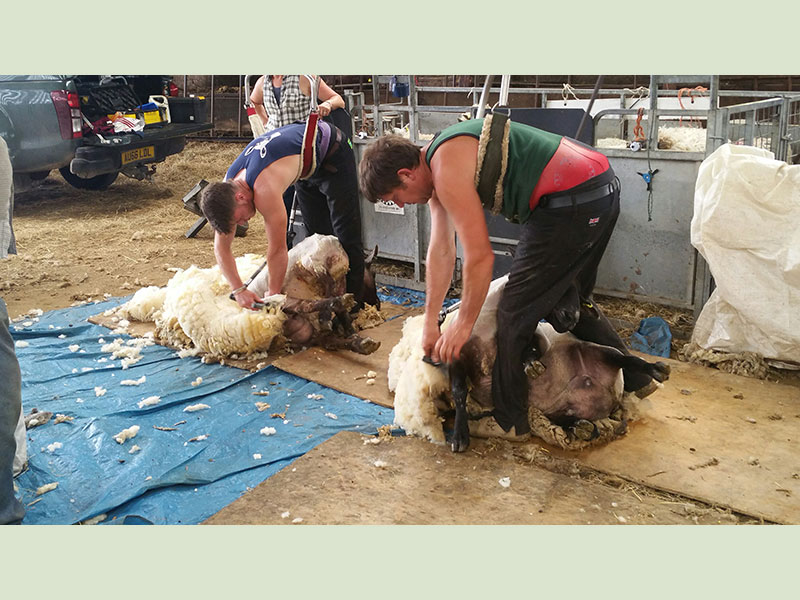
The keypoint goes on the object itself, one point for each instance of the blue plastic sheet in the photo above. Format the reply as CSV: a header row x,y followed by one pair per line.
x,y
407,297
171,480
653,337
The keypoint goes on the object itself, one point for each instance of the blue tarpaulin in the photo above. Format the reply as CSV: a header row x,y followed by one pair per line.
x,y
171,479
407,297
652,337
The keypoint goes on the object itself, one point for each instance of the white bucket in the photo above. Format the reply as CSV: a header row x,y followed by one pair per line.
x,y
163,106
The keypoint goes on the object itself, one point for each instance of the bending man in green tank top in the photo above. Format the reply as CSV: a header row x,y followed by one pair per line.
x,y
566,197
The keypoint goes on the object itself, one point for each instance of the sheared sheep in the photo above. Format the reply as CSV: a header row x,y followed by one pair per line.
x,y
194,309
577,399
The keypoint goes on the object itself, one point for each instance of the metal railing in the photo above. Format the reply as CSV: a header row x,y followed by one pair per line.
x,y
770,121
772,124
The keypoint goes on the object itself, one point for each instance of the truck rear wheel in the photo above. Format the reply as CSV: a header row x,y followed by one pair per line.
x,y
98,182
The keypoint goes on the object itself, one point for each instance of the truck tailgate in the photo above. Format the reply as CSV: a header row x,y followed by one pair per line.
x,y
148,136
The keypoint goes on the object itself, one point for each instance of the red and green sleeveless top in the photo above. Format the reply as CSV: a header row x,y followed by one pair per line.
x,y
529,151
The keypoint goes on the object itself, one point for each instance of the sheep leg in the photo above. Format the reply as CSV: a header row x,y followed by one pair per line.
x,y
458,383
335,304
334,313
633,364
657,370
354,343
344,322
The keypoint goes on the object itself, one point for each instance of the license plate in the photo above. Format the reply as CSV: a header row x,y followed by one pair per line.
x,y
138,154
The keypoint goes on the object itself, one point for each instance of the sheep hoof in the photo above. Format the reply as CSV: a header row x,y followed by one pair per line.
x,y
660,371
534,369
365,345
459,443
460,439
584,430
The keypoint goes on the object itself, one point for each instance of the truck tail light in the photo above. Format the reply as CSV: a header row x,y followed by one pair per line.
x,y
68,111
172,89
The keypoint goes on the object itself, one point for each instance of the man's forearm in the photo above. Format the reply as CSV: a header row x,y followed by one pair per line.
x,y
438,274
477,277
276,267
227,263
229,271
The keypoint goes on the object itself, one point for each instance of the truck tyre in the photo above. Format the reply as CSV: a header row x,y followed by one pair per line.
x,y
99,182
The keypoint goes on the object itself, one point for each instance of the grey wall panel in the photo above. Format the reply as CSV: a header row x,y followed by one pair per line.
x,y
654,259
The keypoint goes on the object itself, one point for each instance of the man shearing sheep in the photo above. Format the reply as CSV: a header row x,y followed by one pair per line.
x,y
255,183
565,195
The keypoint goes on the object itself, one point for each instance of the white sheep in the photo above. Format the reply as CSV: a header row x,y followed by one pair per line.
x,y
194,309
422,391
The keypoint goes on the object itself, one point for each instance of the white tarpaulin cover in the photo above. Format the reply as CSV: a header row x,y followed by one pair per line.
x,y
746,225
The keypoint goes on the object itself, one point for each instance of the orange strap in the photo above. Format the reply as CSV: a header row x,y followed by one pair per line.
x,y
638,130
689,92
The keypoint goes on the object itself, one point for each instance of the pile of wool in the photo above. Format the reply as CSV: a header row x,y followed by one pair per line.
x,y
612,142
368,317
746,364
679,139
682,139
194,311
403,131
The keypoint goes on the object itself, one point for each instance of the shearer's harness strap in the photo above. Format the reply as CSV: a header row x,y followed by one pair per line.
x,y
492,161
256,126
493,147
308,150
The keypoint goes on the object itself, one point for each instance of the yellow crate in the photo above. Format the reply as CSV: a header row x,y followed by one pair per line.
x,y
152,116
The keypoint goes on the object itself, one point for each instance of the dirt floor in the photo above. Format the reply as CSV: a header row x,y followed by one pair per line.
x,y
75,245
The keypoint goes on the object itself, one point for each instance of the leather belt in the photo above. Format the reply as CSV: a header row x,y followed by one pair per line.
x,y
563,200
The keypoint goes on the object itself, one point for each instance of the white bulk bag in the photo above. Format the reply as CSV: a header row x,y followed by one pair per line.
x,y
746,225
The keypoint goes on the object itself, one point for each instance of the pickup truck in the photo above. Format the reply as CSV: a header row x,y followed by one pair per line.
x,y
47,120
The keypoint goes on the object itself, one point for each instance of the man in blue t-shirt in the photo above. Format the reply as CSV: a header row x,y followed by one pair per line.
x,y
255,182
